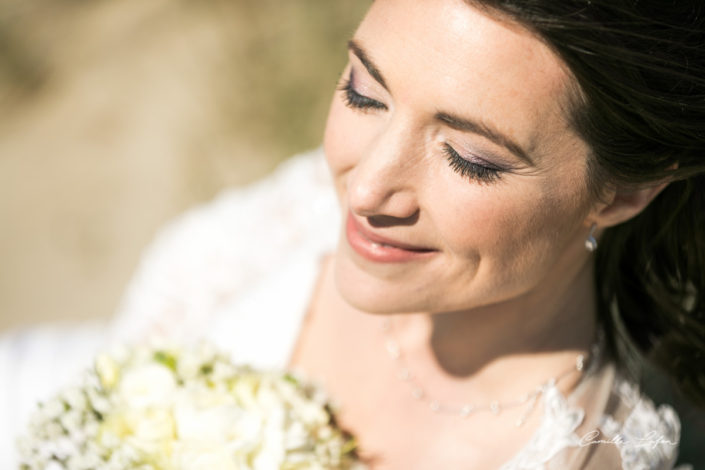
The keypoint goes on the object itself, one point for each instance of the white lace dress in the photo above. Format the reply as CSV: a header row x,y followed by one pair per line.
x,y
240,271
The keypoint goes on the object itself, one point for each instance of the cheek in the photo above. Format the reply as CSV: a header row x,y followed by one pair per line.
x,y
343,140
478,226
510,229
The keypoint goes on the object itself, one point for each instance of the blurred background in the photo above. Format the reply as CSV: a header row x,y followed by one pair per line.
x,y
116,115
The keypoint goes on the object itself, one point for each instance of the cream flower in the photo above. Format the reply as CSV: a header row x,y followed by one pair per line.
x,y
199,455
147,385
167,408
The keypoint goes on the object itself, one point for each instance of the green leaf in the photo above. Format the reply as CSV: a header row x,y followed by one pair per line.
x,y
166,359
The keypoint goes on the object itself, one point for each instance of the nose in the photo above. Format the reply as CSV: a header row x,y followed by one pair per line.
x,y
382,184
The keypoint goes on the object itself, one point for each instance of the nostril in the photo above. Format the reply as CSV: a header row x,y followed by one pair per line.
x,y
378,221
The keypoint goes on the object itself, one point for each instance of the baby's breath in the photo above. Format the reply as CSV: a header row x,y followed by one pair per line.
x,y
171,408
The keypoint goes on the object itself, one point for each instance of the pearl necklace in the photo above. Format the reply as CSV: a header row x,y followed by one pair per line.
x,y
467,409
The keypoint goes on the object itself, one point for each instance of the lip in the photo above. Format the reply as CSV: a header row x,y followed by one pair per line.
x,y
381,249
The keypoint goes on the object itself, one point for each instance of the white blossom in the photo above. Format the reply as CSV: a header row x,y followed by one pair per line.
x,y
170,408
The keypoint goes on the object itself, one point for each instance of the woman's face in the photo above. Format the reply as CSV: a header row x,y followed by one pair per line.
x,y
460,180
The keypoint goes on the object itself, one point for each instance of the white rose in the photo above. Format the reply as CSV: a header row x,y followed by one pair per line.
x,y
272,452
217,424
201,455
153,424
204,424
148,431
189,366
146,385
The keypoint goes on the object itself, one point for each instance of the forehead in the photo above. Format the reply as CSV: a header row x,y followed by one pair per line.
x,y
446,53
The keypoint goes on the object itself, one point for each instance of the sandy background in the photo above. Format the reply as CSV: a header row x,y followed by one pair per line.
x,y
115,115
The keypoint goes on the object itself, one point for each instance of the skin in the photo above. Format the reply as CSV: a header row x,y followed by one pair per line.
x,y
504,300
511,248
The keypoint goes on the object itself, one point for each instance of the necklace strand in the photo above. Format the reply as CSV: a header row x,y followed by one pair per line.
x,y
495,407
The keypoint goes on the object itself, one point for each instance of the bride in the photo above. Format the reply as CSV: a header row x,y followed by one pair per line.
x,y
517,186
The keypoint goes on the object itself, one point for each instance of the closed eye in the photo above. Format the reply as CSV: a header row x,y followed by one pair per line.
x,y
469,169
355,100
466,168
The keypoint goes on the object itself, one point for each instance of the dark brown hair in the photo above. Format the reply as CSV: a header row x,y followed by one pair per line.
x,y
640,70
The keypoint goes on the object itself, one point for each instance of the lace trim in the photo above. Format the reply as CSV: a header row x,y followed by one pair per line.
x,y
555,433
205,258
648,438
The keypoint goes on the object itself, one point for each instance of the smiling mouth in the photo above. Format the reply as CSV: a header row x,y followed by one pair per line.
x,y
400,247
380,249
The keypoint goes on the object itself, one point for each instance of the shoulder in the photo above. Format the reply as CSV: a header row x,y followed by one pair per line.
x,y
216,251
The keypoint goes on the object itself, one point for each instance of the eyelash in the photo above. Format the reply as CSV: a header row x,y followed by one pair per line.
x,y
466,168
460,165
355,100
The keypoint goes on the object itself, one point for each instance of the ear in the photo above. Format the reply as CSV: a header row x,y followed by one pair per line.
x,y
622,204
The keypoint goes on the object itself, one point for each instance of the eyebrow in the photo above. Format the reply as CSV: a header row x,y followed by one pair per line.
x,y
455,122
367,62
484,130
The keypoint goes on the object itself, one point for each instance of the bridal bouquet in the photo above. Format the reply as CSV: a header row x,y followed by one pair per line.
x,y
185,409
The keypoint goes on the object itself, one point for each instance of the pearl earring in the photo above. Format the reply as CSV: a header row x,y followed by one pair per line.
x,y
590,242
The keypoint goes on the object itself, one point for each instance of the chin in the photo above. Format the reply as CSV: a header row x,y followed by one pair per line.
x,y
369,294
377,294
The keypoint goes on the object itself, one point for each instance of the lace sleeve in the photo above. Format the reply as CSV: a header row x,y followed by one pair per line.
x,y
219,251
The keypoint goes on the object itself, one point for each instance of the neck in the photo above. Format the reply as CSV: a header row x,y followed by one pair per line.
x,y
549,326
